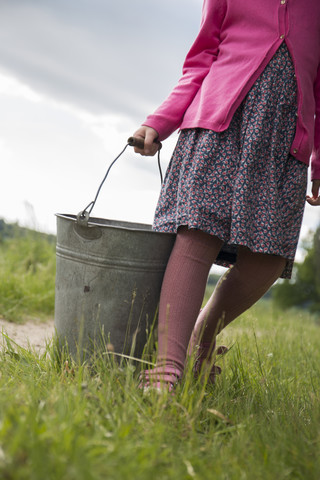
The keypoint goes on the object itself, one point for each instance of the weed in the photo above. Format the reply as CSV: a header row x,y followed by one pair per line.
x,y
64,420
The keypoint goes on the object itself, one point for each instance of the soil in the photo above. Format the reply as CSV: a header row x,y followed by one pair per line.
x,y
33,333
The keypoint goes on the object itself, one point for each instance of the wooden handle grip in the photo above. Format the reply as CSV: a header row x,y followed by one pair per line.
x,y
139,142
136,142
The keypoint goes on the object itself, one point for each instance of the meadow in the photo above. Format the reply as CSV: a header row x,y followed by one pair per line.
x,y
27,274
261,419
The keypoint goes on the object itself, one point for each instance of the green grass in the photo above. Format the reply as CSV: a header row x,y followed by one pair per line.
x,y
27,276
260,421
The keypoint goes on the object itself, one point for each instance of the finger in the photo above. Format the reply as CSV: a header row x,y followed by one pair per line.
x,y
147,152
313,201
149,137
149,149
138,135
315,191
315,188
139,148
150,144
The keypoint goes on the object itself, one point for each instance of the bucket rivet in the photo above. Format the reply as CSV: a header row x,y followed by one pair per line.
x,y
86,289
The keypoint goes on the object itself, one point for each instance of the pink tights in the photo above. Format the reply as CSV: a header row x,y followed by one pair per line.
x,y
184,285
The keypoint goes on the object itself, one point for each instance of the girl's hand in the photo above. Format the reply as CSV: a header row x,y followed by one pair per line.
x,y
149,136
315,190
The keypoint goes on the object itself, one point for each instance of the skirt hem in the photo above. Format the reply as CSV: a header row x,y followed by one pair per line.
x,y
227,256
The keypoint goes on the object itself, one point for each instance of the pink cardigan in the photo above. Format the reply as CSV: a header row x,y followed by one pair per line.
x,y
237,39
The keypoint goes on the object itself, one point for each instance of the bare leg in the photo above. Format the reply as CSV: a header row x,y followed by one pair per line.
x,y
241,286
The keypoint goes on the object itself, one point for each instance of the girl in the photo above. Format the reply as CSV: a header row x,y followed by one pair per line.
x,y
248,110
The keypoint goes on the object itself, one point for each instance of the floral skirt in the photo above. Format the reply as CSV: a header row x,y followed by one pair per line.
x,y
242,184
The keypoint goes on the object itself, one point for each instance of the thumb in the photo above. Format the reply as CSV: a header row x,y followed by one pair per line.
x,y
315,188
150,137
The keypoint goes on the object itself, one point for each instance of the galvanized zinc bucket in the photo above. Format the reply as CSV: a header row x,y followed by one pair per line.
x,y
108,281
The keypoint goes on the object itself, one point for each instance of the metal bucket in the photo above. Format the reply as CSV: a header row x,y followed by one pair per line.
x,y
108,281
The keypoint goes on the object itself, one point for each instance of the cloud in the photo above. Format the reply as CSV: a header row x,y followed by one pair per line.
x,y
76,78
54,156
12,87
119,56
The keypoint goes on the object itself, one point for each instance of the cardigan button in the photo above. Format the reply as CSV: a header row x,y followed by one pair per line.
x,y
281,36
283,2
295,150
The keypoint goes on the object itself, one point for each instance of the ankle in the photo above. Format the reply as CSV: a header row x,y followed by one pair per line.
x,y
203,349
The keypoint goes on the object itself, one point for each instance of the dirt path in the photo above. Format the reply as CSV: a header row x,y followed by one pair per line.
x,y
32,333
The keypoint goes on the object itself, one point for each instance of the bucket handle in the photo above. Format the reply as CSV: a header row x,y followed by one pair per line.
x,y
84,215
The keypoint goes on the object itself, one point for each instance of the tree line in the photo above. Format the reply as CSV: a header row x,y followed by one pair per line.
x,y
304,288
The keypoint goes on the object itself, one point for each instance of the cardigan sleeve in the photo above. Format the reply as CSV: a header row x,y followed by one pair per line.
x,y
315,158
167,118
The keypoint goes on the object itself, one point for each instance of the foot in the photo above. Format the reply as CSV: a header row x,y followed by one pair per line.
x,y
159,378
206,354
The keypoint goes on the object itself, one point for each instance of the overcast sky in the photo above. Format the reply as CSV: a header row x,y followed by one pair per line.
x,y
77,77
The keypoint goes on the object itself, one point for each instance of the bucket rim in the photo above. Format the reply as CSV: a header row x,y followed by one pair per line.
x,y
119,224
